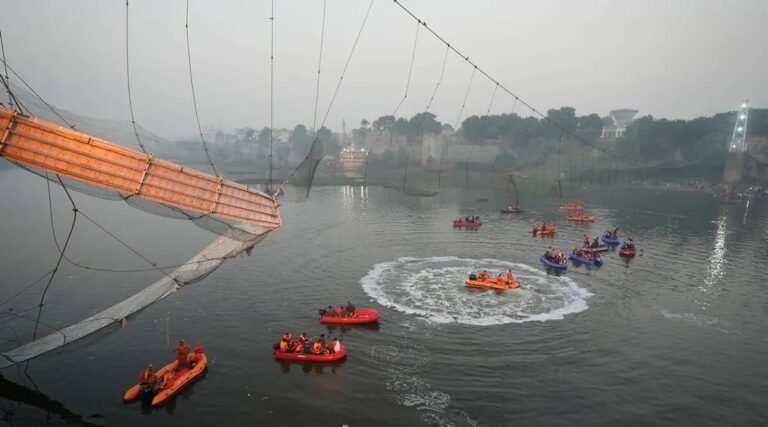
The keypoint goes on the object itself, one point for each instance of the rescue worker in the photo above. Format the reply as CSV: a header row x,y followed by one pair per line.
x,y
181,354
284,347
303,338
509,277
147,375
350,309
196,355
288,337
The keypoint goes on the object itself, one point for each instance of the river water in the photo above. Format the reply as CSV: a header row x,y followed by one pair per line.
x,y
677,335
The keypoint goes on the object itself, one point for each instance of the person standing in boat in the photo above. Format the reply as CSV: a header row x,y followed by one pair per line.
x,y
350,309
509,277
147,376
181,354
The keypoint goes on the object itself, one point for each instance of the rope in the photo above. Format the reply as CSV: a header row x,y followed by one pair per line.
x,y
7,81
194,98
24,82
25,289
333,98
319,63
128,80
456,129
405,95
440,80
271,92
472,148
58,262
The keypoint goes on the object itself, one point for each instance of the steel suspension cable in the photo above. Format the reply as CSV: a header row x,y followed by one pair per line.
x,y
7,82
58,262
271,90
442,73
472,148
194,97
333,98
319,63
397,108
128,80
50,107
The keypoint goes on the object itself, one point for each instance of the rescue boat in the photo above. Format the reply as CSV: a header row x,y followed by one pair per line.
x,y
303,357
180,379
492,283
553,265
466,224
583,260
361,316
175,379
581,218
627,252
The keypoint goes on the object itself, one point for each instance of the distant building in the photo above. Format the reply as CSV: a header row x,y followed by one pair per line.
x,y
616,123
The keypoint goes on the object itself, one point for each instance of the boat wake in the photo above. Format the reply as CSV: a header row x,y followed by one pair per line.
x,y
403,363
434,288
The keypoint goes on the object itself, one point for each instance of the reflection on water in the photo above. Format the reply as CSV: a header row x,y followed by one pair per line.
x,y
350,193
715,264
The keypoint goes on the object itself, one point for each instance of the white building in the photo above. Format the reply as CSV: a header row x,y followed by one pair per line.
x,y
616,124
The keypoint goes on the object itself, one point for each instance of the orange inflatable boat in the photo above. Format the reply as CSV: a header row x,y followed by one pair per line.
x,y
492,283
581,218
175,380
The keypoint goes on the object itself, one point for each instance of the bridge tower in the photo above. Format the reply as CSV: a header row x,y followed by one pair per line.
x,y
734,162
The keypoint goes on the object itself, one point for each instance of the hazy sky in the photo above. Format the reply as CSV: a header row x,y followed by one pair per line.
x,y
667,58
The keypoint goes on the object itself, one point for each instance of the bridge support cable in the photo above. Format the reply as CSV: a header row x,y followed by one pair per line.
x,y
194,97
397,107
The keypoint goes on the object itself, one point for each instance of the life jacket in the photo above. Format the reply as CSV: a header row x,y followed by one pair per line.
x,y
283,346
146,375
317,348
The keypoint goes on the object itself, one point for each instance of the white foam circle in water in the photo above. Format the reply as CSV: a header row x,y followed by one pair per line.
x,y
434,289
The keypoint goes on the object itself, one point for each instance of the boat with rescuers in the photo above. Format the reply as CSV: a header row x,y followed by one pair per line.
x,y
627,250
585,257
344,316
483,281
303,349
468,222
611,237
541,229
555,260
171,378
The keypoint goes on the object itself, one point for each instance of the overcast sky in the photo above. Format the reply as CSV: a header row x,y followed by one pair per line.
x,y
667,58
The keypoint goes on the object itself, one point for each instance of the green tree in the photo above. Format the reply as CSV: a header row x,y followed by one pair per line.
x,y
300,140
263,138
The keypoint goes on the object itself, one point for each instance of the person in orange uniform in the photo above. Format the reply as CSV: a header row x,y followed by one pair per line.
x,y
181,354
509,277
284,346
196,355
147,375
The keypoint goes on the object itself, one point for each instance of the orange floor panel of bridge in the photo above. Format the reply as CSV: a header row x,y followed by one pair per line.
x,y
48,147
